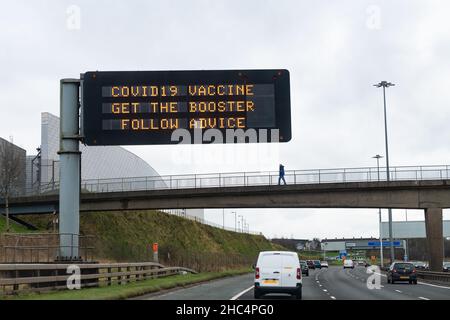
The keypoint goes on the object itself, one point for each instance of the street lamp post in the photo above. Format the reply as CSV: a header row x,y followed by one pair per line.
x,y
235,221
378,157
384,85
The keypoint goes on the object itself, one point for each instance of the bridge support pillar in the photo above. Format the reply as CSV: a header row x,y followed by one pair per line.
x,y
435,240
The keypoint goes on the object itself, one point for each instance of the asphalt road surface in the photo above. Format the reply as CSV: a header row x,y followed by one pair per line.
x,y
333,283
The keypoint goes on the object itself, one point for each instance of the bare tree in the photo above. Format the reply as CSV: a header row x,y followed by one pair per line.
x,y
315,244
10,171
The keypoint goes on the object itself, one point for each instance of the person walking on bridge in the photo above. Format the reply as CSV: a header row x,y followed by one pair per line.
x,y
281,175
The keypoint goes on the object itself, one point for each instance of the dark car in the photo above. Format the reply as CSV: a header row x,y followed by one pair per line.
x,y
305,268
317,264
310,264
402,271
446,266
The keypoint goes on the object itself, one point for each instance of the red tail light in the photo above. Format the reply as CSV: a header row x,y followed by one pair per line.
x,y
414,271
257,273
299,273
395,271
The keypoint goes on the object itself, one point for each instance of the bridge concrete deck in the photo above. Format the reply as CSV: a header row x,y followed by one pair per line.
x,y
395,194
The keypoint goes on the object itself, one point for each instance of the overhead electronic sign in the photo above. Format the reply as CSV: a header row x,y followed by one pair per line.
x,y
158,107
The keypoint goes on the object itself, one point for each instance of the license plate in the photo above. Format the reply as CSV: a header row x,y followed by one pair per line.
x,y
270,281
404,277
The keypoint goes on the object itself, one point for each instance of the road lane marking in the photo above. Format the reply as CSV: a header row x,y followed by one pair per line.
x,y
398,291
333,297
423,298
241,293
433,285
324,290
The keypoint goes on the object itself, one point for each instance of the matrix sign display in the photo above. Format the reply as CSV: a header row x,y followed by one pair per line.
x,y
160,107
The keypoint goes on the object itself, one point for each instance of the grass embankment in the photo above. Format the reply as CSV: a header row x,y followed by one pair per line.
x,y
13,226
127,235
133,289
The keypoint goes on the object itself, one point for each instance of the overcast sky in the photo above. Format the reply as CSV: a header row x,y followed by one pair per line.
x,y
335,51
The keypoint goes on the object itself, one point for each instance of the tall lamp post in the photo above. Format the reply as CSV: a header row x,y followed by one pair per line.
x,y
384,85
378,157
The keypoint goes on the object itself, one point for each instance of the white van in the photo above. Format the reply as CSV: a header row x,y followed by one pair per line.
x,y
348,263
278,272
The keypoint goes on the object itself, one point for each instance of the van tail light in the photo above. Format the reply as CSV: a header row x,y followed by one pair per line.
x,y
257,273
394,271
414,271
299,273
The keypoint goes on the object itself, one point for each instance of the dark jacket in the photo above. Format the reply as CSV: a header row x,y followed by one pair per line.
x,y
281,170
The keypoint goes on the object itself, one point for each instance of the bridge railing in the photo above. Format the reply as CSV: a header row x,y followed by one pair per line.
x,y
236,179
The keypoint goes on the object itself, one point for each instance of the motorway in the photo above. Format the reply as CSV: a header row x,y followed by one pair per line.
x,y
334,283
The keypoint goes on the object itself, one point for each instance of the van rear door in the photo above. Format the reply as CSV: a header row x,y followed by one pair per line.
x,y
289,271
270,268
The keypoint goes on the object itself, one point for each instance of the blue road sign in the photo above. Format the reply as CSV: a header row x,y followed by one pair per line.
x,y
385,243
342,253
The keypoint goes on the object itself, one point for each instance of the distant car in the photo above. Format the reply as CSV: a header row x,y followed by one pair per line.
x,y
402,271
278,272
446,267
305,268
324,264
310,264
419,265
317,264
363,263
348,263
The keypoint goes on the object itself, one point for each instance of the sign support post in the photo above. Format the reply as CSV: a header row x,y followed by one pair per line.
x,y
155,252
70,160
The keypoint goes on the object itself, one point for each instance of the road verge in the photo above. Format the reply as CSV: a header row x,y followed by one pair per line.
x,y
130,290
